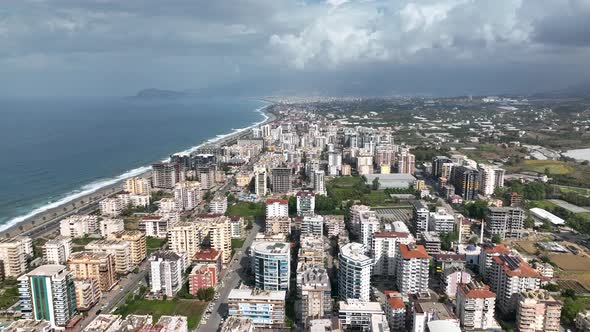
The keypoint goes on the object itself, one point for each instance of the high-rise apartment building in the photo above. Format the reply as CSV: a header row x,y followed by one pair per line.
x,y
48,293
277,208
79,226
260,182
281,180
186,237
441,221
138,186
187,194
110,225
319,185
305,203
420,214
466,182
406,162
437,165
315,294
94,265
506,222
509,277
476,305
271,264
369,224
265,308
218,204
57,251
354,273
166,272
14,255
412,268
364,162
164,175
384,248
137,242
312,225
88,293
538,311
219,235
120,250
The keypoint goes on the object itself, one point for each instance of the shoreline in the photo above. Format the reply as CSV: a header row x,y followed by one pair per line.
x,y
35,223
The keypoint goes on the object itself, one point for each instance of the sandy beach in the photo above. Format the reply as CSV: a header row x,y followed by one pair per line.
x,y
47,221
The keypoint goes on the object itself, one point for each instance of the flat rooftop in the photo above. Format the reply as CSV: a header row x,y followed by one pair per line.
x,y
256,294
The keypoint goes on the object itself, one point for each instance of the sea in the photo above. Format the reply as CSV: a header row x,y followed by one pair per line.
x,y
54,150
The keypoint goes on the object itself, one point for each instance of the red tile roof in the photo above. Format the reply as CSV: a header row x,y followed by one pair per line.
x,y
524,270
276,200
207,254
483,292
395,299
414,251
151,217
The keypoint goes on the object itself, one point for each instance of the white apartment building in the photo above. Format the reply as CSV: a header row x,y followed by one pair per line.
x,y
218,204
276,208
119,249
265,308
538,311
187,195
260,182
167,205
358,315
236,224
271,264
305,203
111,207
434,317
441,221
138,186
420,214
58,250
412,268
334,225
128,199
369,224
406,162
364,162
14,255
156,225
506,222
509,277
384,248
78,226
312,225
111,225
354,274
476,306
319,184
166,272
355,217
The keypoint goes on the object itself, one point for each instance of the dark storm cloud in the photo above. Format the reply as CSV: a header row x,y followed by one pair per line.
x,y
265,46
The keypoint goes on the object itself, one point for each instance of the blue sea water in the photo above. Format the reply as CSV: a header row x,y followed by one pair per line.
x,y
52,150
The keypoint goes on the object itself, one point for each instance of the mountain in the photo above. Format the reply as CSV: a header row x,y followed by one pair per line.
x,y
579,90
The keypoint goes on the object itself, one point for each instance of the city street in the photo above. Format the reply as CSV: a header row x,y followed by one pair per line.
x,y
236,271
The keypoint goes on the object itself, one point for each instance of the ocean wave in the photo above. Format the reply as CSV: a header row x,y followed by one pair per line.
x,y
97,185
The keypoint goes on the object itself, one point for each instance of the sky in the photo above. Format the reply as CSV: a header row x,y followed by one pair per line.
x,y
295,47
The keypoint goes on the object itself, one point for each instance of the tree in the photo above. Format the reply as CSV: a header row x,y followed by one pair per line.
x,y
292,205
529,223
496,239
477,209
206,294
375,185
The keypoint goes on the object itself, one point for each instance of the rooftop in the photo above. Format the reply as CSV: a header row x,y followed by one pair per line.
x,y
476,290
358,306
207,254
354,251
391,234
237,324
276,200
256,294
47,270
271,247
164,255
441,311
514,266
413,251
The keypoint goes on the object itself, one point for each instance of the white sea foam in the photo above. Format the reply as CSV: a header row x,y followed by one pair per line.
x,y
97,185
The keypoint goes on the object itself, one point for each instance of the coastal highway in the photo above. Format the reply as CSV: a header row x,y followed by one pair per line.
x,y
236,271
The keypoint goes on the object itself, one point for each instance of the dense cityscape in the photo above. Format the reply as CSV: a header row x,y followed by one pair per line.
x,y
336,214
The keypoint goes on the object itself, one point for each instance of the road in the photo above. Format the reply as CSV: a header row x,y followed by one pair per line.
x,y
236,271
112,299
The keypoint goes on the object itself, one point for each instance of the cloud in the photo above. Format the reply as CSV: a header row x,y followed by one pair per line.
x,y
227,42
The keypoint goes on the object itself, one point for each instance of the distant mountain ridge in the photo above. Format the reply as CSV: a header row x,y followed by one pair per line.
x,y
579,90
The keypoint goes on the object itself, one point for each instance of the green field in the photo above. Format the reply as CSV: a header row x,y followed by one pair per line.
x,y
192,309
237,243
82,241
152,244
8,293
246,209
581,191
345,181
542,204
553,166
